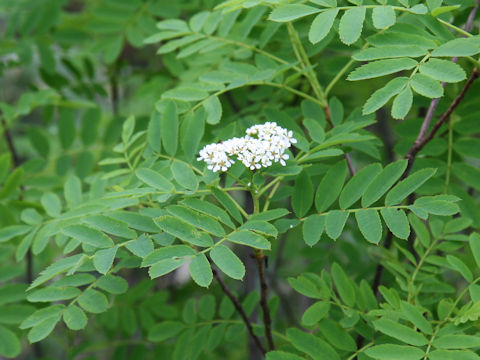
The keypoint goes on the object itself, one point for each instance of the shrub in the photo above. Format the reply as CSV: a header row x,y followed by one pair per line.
x,y
241,179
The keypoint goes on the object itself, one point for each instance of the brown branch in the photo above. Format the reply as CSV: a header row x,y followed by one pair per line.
x,y
471,16
10,144
423,139
434,103
114,89
240,310
263,300
416,148
420,143
37,350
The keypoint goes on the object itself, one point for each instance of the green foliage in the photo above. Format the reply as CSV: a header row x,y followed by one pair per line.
x,y
364,244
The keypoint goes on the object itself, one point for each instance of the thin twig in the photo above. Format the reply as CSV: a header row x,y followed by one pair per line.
x,y
423,139
37,350
240,310
114,90
263,300
420,143
10,144
471,16
411,156
434,103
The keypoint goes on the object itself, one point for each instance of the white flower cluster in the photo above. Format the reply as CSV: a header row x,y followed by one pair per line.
x,y
261,147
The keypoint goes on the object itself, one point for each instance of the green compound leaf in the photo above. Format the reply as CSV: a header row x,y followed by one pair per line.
x,y
357,184
89,236
380,97
344,285
228,262
419,9
396,221
400,332
452,355
261,227
389,51
226,201
460,266
383,17
213,109
112,284
111,226
443,70
210,210
383,181
51,294
454,341
436,205
457,47
407,186
330,186
73,191
169,128
184,231
321,25
315,313
302,197
181,93
164,267
154,131
335,222
74,318
326,3
10,345
291,12
394,352
474,241
412,314
313,229
402,103
51,203
369,224
200,270
103,259
9,232
54,311
351,25
381,68
311,345
184,175
315,130
167,252
196,219
191,132
336,335
155,180
426,86
207,307
93,301
12,183
41,330
250,238
164,330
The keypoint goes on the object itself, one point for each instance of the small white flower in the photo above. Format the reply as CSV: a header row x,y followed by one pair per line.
x,y
262,146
